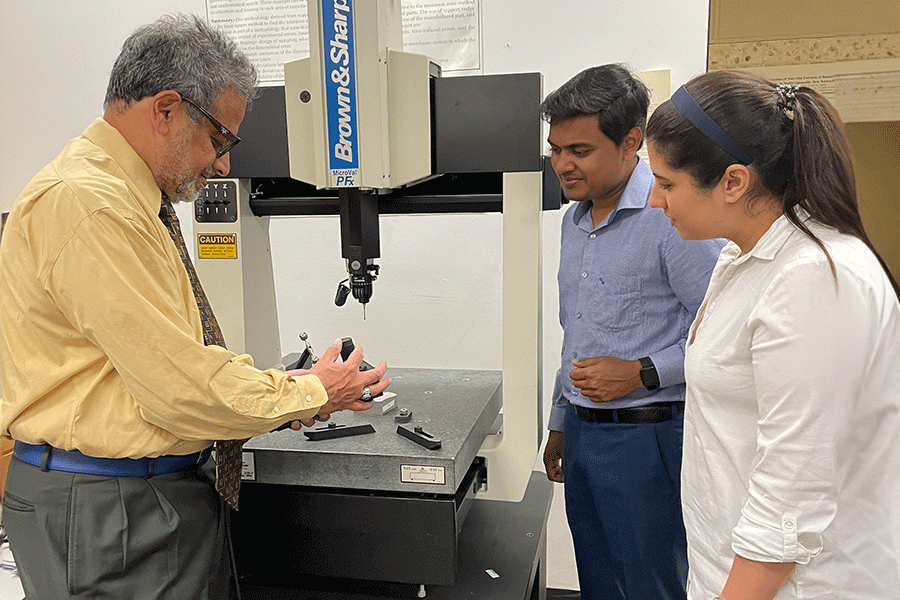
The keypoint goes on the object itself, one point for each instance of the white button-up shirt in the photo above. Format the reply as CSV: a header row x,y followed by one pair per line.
x,y
792,425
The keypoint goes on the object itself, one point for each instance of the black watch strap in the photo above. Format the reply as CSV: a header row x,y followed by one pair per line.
x,y
649,376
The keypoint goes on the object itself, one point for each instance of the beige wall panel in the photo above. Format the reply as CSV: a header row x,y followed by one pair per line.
x,y
764,34
799,51
739,20
876,154
862,91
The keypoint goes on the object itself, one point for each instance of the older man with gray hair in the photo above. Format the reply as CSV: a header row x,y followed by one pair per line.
x,y
115,376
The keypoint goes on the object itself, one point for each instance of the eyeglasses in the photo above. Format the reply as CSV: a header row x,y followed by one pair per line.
x,y
231,140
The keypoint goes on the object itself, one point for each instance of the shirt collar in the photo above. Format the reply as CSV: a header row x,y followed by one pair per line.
x,y
771,241
634,196
132,166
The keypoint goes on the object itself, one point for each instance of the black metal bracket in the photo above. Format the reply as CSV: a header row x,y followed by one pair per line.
x,y
333,430
420,437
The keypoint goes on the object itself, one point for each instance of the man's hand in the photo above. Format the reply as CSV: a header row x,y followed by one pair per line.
x,y
553,456
344,382
605,378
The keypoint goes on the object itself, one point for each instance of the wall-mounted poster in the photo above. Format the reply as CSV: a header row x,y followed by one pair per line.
x,y
272,32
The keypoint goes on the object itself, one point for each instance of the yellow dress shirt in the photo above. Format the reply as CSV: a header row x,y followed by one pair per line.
x,y
101,345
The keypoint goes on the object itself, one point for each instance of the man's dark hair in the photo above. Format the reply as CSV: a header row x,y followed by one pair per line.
x,y
612,92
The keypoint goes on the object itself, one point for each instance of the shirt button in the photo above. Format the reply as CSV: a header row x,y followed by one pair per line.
x,y
577,315
574,355
275,409
309,398
593,235
584,274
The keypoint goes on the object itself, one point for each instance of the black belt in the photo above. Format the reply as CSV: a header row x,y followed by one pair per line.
x,y
49,458
649,413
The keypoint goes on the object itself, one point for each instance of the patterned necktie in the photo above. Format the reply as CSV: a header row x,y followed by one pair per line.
x,y
228,452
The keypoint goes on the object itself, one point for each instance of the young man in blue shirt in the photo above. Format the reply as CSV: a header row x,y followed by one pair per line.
x,y
629,288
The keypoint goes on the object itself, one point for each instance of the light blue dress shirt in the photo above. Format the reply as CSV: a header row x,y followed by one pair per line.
x,y
628,288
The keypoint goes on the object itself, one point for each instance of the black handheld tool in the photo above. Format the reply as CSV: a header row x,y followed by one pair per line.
x,y
333,430
347,347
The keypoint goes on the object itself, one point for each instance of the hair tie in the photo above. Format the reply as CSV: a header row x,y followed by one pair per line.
x,y
787,95
688,107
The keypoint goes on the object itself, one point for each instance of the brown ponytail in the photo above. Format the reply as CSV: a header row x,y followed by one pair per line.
x,y
794,137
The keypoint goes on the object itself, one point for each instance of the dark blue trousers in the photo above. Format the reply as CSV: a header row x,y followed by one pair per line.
x,y
624,508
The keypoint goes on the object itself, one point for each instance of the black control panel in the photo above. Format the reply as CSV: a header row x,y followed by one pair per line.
x,y
218,203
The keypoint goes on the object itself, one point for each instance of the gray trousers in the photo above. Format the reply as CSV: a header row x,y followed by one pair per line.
x,y
111,538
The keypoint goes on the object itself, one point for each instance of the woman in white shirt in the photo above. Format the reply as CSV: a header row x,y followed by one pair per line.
x,y
791,475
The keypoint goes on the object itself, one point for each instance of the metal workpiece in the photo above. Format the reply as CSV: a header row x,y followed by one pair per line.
x,y
458,406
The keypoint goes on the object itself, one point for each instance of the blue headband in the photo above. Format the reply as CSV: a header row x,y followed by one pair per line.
x,y
687,106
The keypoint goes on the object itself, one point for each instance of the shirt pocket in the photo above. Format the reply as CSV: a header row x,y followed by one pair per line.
x,y
616,303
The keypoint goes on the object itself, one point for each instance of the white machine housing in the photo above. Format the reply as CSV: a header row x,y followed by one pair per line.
x,y
358,109
394,149
234,262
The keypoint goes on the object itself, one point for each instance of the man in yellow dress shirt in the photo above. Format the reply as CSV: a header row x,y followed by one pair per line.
x,y
102,352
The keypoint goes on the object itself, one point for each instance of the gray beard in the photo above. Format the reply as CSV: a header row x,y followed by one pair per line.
x,y
184,191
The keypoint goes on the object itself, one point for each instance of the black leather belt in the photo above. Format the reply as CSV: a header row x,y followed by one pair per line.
x,y
649,413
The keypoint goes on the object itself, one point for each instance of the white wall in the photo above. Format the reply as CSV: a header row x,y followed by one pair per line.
x,y
437,302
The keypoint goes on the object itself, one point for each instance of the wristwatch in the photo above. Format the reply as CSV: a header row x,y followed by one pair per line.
x,y
649,376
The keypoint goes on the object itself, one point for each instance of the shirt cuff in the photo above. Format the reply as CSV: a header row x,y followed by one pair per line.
x,y
557,418
768,534
669,363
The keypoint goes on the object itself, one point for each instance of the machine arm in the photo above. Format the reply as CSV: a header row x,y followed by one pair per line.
x,y
359,242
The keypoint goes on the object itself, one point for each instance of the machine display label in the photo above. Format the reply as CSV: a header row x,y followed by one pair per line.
x,y
340,92
422,474
217,245
248,467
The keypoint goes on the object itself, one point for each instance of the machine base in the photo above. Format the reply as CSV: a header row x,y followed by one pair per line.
x,y
502,553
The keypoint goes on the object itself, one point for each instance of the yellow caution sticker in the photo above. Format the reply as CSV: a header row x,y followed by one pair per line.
x,y
217,245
